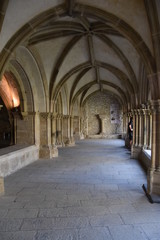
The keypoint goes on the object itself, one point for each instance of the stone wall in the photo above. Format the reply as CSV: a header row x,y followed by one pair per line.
x,y
106,106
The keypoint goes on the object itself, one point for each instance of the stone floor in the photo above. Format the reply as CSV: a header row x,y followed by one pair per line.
x,y
92,191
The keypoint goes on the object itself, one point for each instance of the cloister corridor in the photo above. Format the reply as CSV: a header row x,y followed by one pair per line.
x,y
92,191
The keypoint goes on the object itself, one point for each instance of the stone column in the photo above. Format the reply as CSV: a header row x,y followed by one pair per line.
x,y
54,128
86,130
127,141
146,128
45,149
37,128
58,130
150,129
66,130
53,135
62,130
153,178
134,129
137,135
125,125
71,129
140,123
79,127
127,121
137,127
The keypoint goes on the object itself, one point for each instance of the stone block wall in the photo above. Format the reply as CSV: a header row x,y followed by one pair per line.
x,y
106,105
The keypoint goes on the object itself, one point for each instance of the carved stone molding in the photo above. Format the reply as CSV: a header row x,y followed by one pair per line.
x,y
66,116
45,115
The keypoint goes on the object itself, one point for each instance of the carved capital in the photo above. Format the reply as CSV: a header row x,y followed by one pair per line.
x,y
59,116
45,115
139,112
155,106
66,116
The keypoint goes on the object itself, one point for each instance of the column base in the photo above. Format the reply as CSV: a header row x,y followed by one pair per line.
x,y
1,185
153,198
70,142
135,151
46,151
127,144
153,182
54,151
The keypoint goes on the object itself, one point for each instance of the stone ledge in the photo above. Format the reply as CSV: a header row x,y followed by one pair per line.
x,y
15,159
145,158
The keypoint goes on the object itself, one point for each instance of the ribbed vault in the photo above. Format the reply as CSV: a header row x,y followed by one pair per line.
x,y
70,41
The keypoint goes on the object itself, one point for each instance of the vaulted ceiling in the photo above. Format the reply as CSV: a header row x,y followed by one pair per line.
x,y
80,47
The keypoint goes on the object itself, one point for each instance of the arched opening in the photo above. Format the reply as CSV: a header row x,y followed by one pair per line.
x,y
10,102
6,130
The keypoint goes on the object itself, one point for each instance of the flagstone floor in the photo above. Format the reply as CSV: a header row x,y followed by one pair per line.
x,y
92,191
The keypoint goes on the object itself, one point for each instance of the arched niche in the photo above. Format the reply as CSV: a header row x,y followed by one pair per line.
x,y
102,116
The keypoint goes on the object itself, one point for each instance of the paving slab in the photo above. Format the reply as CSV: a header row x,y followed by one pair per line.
x,y
92,191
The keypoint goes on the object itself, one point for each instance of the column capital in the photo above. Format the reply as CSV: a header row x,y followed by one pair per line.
x,y
135,112
54,115
130,114
140,112
155,106
145,111
45,115
66,116
59,116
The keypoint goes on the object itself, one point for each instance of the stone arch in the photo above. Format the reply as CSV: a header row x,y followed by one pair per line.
x,y
34,76
25,86
118,24
84,101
